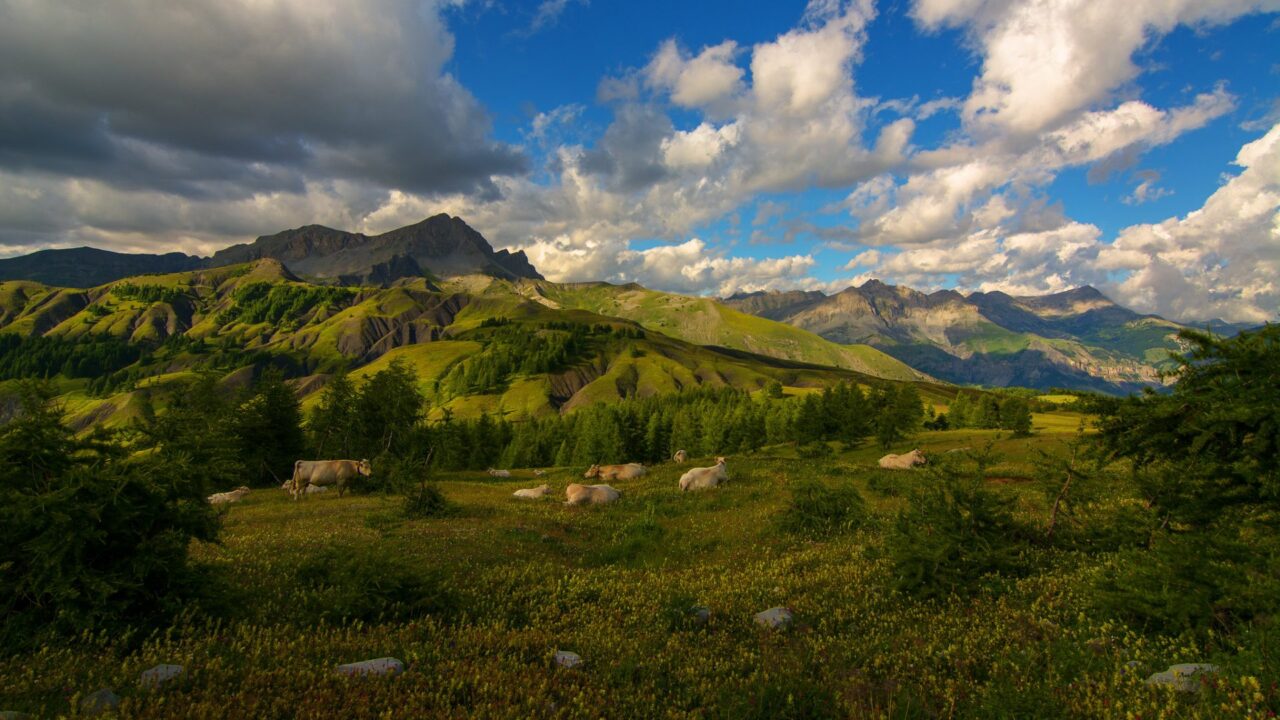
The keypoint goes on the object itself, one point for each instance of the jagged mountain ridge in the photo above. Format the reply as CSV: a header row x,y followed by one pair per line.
x,y
1078,338
439,246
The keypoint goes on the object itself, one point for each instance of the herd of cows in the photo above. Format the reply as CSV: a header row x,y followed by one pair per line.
x,y
317,476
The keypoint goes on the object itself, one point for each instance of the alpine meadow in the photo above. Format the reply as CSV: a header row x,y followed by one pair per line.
x,y
839,359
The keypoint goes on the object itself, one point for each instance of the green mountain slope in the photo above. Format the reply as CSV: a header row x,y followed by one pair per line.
x,y
477,344
704,321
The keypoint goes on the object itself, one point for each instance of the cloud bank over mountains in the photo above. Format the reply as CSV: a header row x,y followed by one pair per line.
x,y
189,126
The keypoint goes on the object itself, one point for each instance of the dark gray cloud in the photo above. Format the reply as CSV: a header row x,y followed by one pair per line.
x,y
630,152
214,98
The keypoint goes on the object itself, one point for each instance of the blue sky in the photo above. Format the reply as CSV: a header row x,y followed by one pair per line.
x,y
700,147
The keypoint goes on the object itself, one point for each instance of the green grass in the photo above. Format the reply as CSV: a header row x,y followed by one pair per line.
x,y
527,578
704,321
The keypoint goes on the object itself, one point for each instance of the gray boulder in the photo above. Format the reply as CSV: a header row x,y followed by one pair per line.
x,y
1183,678
701,615
158,675
566,659
99,702
377,666
778,618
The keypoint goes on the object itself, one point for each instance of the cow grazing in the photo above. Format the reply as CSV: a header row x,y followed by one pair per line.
x,y
630,471
703,478
322,473
226,498
537,493
903,462
590,494
681,457
499,473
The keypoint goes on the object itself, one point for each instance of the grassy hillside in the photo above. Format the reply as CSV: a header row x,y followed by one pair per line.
x,y
704,321
138,338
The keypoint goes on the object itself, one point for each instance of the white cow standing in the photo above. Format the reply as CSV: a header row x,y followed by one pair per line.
x,y
703,478
499,473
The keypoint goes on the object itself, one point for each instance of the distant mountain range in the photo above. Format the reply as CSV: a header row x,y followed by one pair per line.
x,y
1077,339
439,246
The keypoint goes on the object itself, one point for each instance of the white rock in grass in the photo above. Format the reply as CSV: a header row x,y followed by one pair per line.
x,y
99,702
566,659
778,618
159,675
1184,677
377,666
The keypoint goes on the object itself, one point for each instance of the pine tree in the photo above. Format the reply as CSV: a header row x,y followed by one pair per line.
x,y
388,407
1015,415
268,429
959,411
987,413
333,422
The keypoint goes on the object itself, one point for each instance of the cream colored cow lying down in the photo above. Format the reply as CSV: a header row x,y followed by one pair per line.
x,y
533,493
590,494
905,461
630,471
703,478
226,498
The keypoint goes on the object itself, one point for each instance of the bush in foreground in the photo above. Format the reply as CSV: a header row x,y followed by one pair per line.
x,y
91,538
954,533
817,511
342,584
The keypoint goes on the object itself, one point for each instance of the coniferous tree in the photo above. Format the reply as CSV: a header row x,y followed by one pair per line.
x,y
91,536
987,413
1015,415
387,408
334,421
268,429
959,411
197,427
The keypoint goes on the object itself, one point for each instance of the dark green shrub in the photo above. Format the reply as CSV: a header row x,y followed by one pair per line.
x,y
885,482
817,510
815,450
426,501
1198,580
89,537
954,533
342,584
